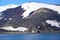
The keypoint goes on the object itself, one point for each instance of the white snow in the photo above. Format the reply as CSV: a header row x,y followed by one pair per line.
x,y
32,31
10,18
2,8
29,7
5,18
53,23
15,29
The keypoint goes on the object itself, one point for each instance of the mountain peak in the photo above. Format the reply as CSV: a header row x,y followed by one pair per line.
x,y
42,18
31,6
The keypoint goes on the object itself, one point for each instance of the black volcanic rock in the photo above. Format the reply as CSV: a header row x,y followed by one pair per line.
x,y
18,11
2,30
10,16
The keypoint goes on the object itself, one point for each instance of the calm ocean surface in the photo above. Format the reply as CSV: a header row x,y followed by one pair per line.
x,y
29,36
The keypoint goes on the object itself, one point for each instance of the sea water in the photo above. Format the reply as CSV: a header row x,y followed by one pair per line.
x,y
29,36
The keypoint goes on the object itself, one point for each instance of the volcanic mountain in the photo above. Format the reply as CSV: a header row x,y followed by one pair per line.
x,y
31,17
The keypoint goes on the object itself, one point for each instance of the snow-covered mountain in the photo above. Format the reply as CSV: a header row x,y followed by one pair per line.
x,y
29,7
34,6
18,16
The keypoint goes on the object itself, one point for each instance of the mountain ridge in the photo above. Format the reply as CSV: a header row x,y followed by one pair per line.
x,y
33,16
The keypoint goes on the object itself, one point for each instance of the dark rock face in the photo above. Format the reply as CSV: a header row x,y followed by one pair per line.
x,y
35,22
2,30
10,16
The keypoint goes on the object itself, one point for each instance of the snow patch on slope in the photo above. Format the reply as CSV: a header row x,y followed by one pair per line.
x,y
15,29
53,23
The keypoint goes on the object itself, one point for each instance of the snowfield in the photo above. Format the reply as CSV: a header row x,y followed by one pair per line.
x,y
53,23
29,7
10,28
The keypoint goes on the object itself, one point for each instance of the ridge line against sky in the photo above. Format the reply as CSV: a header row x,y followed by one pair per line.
x,y
6,2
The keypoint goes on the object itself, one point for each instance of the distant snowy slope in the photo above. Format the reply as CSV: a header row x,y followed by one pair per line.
x,y
3,8
29,7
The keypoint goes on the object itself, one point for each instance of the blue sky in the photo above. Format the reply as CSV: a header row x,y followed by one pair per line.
x,y
5,2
